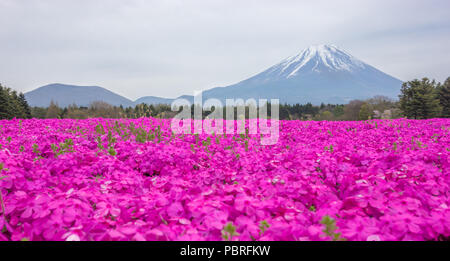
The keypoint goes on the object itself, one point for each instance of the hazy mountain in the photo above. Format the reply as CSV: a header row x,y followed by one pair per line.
x,y
322,73
66,95
153,100
157,100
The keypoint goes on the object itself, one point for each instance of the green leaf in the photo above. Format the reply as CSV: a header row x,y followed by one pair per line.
x,y
330,228
229,231
112,151
263,226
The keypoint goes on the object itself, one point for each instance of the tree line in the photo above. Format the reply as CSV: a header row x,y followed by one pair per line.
x,y
13,104
354,110
423,99
419,99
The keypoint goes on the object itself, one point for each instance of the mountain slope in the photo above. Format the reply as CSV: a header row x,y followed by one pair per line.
x,y
66,95
322,73
153,100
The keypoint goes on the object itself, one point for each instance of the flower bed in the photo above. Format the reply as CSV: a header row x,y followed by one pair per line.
x,y
105,179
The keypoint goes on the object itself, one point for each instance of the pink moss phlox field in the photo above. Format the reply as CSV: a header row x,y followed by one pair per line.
x,y
106,179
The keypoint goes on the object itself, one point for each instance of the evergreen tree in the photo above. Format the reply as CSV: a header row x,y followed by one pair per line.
x,y
9,108
4,101
444,98
366,112
13,105
419,99
25,107
17,109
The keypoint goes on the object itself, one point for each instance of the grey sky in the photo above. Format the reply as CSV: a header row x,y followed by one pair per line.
x,y
168,48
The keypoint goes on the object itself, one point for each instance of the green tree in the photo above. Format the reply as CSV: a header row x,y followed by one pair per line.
x,y
4,103
25,107
10,107
338,111
38,112
444,98
366,112
419,99
18,110
324,116
13,105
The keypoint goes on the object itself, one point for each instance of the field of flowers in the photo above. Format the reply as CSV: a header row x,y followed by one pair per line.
x,y
105,179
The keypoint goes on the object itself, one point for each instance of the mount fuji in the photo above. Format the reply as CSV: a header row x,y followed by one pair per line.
x,y
321,73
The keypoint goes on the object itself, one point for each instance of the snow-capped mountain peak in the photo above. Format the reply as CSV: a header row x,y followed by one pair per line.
x,y
319,73
318,58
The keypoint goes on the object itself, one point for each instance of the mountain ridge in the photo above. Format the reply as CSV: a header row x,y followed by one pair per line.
x,y
65,95
310,77
319,73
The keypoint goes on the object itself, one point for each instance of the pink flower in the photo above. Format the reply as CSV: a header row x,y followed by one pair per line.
x,y
378,180
175,210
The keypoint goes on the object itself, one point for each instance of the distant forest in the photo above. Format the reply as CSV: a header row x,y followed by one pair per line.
x,y
419,99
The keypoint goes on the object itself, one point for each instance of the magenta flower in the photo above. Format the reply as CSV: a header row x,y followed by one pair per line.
x,y
135,180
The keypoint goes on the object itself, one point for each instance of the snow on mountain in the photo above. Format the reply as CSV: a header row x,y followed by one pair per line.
x,y
328,55
321,73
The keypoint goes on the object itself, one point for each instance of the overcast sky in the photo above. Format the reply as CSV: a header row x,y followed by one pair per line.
x,y
168,48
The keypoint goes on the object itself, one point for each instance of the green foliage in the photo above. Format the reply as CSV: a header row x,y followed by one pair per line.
x,y
366,112
330,229
65,147
444,98
112,151
36,149
13,105
419,99
229,231
2,203
111,139
100,129
324,116
217,140
100,143
2,168
141,135
263,226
